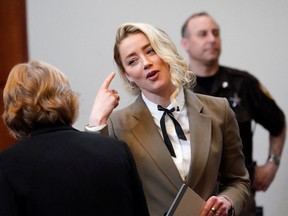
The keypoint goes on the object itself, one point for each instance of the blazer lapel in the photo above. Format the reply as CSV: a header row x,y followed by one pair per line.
x,y
148,136
200,137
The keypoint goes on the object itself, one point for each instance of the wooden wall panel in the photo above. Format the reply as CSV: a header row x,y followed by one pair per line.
x,y
13,49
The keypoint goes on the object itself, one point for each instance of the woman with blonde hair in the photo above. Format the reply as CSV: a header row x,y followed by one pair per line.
x,y
202,148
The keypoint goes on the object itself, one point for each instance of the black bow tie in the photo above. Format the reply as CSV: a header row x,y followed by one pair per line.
x,y
178,128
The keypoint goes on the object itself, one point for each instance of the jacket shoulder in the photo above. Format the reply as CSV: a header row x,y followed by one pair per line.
x,y
208,99
207,103
237,73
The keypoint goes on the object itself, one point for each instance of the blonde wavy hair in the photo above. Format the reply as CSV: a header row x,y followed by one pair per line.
x,y
37,94
164,48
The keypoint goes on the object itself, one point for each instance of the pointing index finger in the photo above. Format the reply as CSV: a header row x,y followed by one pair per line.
x,y
107,81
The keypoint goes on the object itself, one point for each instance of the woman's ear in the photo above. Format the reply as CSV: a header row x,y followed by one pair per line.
x,y
128,77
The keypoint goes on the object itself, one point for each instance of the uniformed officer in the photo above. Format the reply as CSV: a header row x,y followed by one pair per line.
x,y
250,101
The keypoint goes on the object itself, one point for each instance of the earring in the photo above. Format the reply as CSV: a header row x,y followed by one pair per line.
x,y
132,85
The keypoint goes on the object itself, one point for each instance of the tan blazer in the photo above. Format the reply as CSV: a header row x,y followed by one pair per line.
x,y
216,149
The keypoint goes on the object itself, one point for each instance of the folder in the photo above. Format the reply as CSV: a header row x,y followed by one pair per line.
x,y
186,203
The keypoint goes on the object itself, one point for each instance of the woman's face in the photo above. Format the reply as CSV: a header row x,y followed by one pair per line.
x,y
144,67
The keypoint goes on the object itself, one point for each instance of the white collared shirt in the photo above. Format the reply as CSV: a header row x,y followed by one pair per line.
x,y
182,148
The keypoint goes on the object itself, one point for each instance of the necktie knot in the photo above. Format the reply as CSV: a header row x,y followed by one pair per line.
x,y
160,108
178,127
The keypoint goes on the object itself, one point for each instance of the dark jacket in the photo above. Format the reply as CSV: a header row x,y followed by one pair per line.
x,y
250,101
62,171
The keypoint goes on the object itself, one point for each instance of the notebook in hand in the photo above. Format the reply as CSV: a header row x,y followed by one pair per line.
x,y
186,203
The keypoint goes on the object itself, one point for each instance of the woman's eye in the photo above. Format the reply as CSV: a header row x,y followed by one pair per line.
x,y
151,51
131,62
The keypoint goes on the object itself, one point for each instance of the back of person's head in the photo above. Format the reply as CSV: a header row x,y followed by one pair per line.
x,y
37,94
164,48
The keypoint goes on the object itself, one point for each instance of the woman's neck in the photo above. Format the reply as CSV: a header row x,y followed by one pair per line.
x,y
161,98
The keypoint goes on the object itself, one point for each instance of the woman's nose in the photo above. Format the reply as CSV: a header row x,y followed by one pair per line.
x,y
147,63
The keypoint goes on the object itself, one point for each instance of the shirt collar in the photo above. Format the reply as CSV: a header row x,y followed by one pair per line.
x,y
180,101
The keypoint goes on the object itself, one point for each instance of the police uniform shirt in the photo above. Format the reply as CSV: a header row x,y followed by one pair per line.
x,y
248,99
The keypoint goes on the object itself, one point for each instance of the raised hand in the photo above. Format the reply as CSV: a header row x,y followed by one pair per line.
x,y
105,102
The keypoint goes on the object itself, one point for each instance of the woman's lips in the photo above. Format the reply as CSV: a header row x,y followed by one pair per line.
x,y
152,75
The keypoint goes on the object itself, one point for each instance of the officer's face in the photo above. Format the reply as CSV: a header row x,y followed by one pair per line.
x,y
203,42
